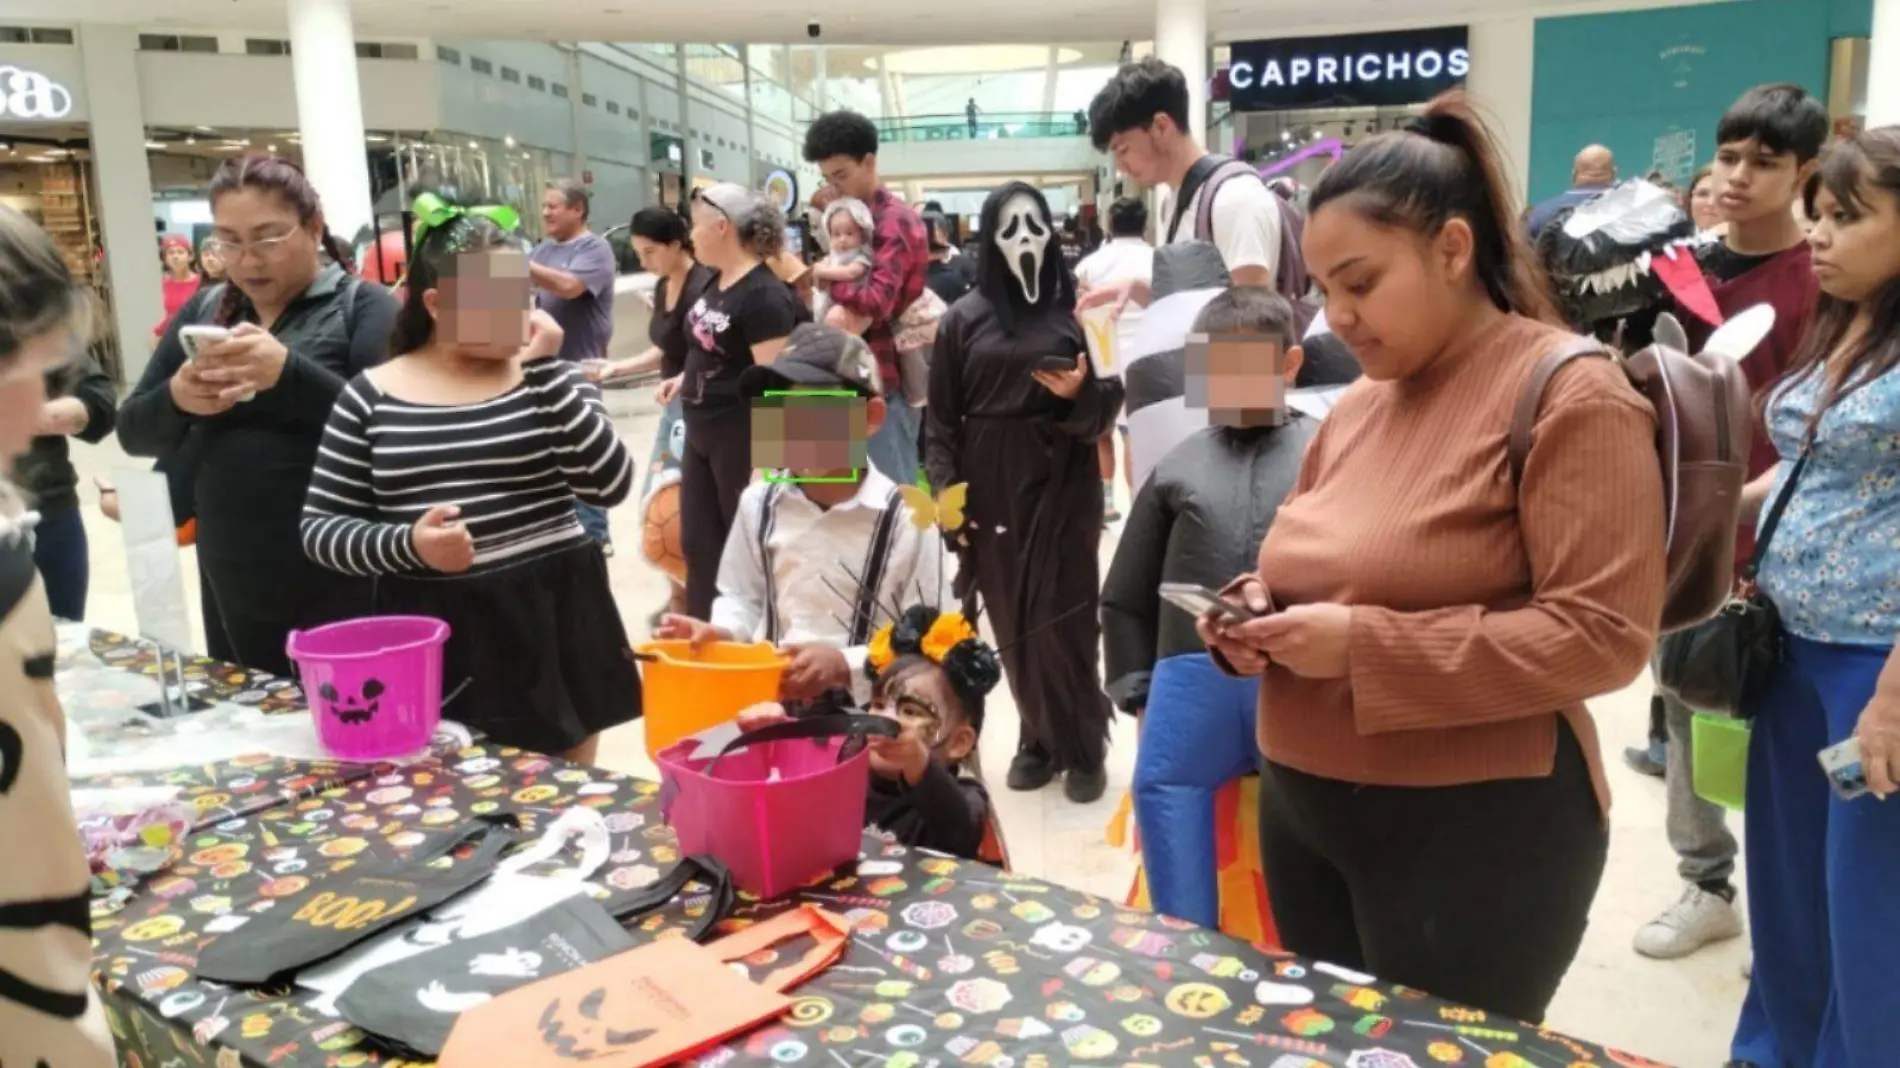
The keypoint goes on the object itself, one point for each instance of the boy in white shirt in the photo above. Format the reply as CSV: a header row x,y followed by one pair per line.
x,y
822,520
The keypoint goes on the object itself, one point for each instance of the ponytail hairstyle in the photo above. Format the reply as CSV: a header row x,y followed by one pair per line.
x,y
431,260
1862,166
286,180
1443,165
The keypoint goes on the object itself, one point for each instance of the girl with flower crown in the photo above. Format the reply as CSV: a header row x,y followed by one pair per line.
x,y
931,673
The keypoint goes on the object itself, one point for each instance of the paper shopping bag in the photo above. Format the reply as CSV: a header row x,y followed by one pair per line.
x,y
654,1005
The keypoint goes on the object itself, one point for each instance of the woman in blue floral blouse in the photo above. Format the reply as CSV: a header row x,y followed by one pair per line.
x,y
1823,873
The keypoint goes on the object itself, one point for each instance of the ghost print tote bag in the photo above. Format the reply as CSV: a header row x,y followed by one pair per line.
x,y
412,1005
333,914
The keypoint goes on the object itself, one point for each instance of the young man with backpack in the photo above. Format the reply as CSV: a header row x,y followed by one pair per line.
x,y
1768,144
1140,118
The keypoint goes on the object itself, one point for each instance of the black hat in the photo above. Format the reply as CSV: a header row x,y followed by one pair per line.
x,y
817,356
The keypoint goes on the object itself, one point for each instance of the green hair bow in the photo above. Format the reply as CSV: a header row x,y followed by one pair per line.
x,y
432,213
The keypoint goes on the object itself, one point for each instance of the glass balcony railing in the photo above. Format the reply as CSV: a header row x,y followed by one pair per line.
x,y
984,127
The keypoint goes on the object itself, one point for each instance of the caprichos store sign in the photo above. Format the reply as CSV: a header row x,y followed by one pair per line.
x,y
1363,69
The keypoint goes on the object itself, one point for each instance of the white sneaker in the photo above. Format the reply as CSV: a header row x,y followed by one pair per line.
x,y
1694,921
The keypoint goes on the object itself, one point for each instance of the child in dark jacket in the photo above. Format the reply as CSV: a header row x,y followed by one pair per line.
x,y
1204,510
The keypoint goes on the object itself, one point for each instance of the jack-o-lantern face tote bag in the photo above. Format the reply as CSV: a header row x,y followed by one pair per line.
x,y
414,1004
333,914
651,1006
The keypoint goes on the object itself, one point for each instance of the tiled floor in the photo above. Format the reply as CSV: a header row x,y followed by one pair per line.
x,y
1679,1012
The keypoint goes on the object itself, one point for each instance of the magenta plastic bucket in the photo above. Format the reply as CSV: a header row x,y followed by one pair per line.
x,y
374,684
775,833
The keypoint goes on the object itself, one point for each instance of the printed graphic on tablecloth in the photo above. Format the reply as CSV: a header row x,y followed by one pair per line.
x,y
950,963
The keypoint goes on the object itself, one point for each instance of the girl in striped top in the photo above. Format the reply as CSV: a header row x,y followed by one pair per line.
x,y
449,475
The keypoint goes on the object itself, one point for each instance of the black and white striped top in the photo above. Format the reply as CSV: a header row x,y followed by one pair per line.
x,y
514,465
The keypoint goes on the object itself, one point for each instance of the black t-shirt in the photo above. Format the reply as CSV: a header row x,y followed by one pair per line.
x,y
724,324
1724,264
667,328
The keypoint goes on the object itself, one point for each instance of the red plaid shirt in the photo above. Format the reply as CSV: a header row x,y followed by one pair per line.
x,y
900,255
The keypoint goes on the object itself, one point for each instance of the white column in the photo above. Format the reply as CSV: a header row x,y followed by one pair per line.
x,y
1883,66
122,179
1181,40
884,91
1502,52
821,88
577,126
1049,81
330,111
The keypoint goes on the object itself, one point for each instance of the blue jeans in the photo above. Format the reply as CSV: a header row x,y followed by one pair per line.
x,y
1197,734
59,551
593,521
893,449
1822,874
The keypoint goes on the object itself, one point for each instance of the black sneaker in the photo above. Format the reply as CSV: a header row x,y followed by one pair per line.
x,y
1084,787
1651,759
1031,770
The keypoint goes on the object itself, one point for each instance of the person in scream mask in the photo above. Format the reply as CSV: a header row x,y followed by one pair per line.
x,y
451,474
1199,519
1015,411
239,424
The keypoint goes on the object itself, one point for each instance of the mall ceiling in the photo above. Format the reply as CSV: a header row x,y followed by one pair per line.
x,y
908,22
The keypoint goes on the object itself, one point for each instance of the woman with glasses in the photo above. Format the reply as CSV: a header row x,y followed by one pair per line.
x,y
742,319
247,411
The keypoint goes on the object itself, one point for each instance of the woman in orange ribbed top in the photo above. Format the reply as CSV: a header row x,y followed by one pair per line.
x,y
1433,806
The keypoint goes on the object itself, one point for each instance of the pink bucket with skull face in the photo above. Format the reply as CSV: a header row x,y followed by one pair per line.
x,y
374,684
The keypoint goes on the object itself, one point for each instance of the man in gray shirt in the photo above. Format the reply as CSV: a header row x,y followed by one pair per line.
x,y
573,272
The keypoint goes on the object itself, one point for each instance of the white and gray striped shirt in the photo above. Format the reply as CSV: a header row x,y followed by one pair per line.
x,y
513,464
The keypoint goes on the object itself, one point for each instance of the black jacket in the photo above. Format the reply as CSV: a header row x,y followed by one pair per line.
x,y
1200,518
46,471
253,462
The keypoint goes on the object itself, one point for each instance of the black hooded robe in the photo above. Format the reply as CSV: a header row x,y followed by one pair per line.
x,y
1035,511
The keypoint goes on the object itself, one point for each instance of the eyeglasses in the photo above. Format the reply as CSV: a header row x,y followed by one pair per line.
x,y
268,248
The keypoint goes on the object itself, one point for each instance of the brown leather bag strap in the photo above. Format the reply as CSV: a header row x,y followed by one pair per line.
x,y
1525,417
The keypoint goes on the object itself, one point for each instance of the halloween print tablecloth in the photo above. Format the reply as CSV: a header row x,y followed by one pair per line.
x,y
951,962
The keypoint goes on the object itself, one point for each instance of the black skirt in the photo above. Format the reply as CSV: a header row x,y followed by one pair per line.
x,y
539,642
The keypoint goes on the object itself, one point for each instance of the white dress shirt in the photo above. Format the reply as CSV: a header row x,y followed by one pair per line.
x,y
812,553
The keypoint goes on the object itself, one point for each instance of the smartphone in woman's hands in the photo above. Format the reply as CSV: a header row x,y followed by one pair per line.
x,y
1198,600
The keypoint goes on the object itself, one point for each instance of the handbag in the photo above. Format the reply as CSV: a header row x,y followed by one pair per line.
x,y
333,914
1722,666
655,1005
414,1004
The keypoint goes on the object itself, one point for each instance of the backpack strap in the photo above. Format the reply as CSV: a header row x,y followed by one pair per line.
x,y
1197,176
1204,212
768,514
1525,417
876,558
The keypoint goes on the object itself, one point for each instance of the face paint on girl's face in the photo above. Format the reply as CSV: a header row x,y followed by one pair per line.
x,y
924,701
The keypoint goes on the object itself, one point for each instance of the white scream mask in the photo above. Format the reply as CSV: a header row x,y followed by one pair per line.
x,y
1022,233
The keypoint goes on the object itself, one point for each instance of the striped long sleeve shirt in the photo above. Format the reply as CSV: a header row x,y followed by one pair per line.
x,y
513,464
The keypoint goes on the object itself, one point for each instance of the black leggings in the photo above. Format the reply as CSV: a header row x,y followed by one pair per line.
x,y
1476,893
715,469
